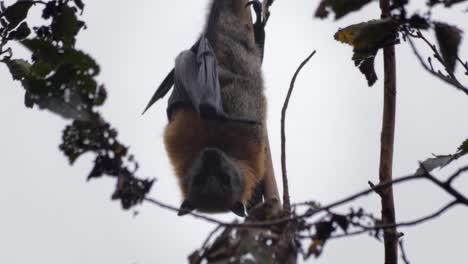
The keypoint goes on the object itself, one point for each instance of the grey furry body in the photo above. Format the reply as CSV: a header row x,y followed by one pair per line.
x,y
239,66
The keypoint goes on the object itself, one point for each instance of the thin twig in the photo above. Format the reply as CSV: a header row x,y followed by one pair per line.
x,y
366,229
446,3
207,240
464,64
436,214
459,199
420,220
403,252
175,209
361,193
350,234
450,78
286,202
456,175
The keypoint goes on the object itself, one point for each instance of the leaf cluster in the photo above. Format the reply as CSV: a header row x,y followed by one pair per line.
x,y
367,38
62,79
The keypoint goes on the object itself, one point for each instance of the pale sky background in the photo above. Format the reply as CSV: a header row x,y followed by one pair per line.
x,y
51,215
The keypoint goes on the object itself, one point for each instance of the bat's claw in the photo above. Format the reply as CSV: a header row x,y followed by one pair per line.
x,y
260,23
257,6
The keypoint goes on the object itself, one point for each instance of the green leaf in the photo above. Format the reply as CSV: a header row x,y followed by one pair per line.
x,y
101,96
367,38
463,147
21,32
48,58
449,39
19,69
60,80
28,100
419,22
440,161
67,110
339,7
17,13
4,23
431,164
45,53
342,221
41,68
370,36
65,26
366,67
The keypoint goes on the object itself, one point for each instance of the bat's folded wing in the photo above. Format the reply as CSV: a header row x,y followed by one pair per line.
x,y
196,84
162,90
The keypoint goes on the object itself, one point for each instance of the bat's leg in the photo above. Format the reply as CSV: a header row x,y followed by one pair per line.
x,y
257,5
259,26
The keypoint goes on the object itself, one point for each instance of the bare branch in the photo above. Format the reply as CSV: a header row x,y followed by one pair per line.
x,y
422,219
464,64
456,175
403,252
436,214
387,140
459,199
286,202
175,209
446,3
208,238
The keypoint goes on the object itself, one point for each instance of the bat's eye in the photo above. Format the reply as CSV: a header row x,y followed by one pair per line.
x,y
198,179
225,179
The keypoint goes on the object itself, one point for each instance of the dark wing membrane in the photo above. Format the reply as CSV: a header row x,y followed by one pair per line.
x,y
197,84
167,84
162,90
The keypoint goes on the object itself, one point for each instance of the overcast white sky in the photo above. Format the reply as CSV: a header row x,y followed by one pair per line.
x,y
51,215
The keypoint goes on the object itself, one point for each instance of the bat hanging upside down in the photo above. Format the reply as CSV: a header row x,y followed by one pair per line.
x,y
216,134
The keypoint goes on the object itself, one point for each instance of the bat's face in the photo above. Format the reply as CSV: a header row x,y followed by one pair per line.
x,y
214,184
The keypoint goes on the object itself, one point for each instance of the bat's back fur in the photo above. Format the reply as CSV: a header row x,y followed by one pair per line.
x,y
239,64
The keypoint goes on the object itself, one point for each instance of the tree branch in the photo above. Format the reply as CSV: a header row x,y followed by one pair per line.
x,y
286,202
450,78
459,199
387,144
403,252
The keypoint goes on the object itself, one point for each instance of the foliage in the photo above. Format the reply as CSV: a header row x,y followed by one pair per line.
x,y
440,161
339,7
449,39
367,38
62,79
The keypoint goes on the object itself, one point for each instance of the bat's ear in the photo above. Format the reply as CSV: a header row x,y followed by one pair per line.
x,y
239,209
185,208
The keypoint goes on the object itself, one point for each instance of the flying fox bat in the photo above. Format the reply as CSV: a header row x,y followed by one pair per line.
x,y
216,135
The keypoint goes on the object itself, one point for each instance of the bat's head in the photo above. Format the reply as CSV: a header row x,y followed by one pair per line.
x,y
214,184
